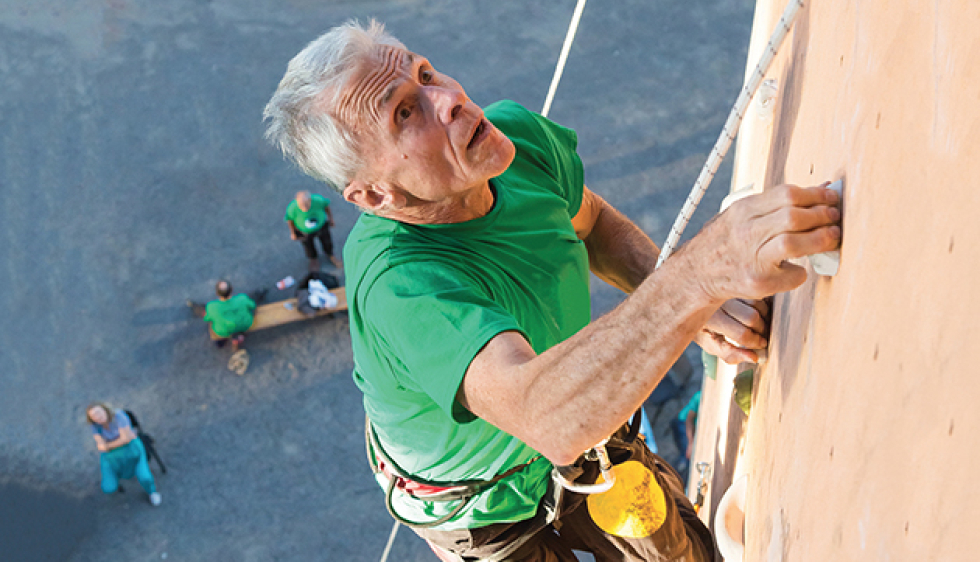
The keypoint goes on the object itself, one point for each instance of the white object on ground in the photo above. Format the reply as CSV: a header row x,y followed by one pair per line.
x,y
155,499
320,297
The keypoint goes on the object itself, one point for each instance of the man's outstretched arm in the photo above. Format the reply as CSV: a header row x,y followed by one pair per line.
x,y
570,397
623,255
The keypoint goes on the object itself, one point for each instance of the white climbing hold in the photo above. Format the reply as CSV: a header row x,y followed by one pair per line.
x,y
827,263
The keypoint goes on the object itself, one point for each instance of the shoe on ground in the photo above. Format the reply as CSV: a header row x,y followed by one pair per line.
x,y
155,499
238,362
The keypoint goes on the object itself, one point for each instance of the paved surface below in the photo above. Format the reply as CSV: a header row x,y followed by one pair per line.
x,y
133,175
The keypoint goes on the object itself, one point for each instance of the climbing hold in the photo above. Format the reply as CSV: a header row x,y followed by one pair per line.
x,y
743,390
827,263
635,507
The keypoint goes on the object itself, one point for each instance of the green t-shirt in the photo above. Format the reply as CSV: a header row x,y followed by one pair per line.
x,y
424,299
230,317
311,220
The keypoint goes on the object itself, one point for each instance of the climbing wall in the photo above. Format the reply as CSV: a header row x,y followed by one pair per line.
x,y
862,440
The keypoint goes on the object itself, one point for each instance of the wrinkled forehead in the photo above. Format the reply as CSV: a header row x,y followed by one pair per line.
x,y
379,72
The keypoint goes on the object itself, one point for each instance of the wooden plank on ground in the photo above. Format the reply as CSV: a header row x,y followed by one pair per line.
x,y
274,314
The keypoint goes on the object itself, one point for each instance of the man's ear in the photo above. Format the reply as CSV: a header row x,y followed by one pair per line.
x,y
373,197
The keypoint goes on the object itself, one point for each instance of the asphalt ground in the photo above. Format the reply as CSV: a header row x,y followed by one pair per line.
x,y
133,175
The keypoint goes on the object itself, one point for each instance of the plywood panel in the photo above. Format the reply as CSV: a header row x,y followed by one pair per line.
x,y
860,445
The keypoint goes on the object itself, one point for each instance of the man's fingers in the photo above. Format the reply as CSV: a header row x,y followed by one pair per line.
x,y
792,196
790,245
726,327
746,314
797,219
760,305
734,355
718,346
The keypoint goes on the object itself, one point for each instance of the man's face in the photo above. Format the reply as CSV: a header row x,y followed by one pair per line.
x,y
304,201
418,130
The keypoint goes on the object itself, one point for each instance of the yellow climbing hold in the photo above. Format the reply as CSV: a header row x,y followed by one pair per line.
x,y
634,507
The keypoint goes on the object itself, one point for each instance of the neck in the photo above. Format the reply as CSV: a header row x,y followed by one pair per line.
x,y
465,207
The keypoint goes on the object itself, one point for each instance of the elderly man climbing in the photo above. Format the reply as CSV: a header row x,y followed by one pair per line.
x,y
469,305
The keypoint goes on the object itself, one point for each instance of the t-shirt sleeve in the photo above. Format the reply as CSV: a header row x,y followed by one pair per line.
x,y
122,420
208,309
289,211
549,145
433,320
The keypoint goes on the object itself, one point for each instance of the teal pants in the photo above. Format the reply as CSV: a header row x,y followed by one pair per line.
x,y
126,462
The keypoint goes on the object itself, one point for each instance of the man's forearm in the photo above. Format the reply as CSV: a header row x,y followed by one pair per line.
x,y
582,390
619,252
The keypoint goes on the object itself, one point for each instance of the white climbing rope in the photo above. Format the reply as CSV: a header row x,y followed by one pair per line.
x,y
728,132
565,48
391,541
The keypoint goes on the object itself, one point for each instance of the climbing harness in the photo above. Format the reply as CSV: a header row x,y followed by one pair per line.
x,y
462,492
397,479
599,453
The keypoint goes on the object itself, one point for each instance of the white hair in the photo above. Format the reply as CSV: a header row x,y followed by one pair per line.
x,y
300,113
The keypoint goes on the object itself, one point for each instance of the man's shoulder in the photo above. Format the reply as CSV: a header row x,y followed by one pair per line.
x,y
535,136
241,299
511,117
381,245
319,200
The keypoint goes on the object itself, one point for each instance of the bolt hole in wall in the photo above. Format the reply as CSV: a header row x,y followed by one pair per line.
x,y
41,523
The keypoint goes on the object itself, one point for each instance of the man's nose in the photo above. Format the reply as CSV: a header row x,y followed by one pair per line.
x,y
448,102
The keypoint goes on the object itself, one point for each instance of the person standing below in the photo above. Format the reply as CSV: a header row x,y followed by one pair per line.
x,y
121,453
468,287
309,218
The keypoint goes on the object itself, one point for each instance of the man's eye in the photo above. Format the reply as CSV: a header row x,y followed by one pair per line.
x,y
426,76
404,113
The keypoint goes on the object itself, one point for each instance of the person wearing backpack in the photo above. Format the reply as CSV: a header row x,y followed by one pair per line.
x,y
121,453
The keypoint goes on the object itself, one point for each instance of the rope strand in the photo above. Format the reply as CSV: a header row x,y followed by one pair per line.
x,y
565,48
728,132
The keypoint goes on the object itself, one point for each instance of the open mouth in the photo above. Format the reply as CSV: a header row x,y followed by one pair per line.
x,y
478,134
